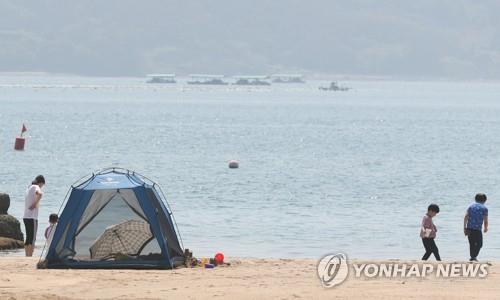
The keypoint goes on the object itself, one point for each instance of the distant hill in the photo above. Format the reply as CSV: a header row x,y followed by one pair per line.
x,y
408,39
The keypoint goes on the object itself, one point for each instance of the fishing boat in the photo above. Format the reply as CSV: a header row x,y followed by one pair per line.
x,y
161,78
251,80
288,78
334,87
207,79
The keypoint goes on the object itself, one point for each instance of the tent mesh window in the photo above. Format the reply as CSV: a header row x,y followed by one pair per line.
x,y
173,247
113,226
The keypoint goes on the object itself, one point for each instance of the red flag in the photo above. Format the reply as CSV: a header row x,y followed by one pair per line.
x,y
24,129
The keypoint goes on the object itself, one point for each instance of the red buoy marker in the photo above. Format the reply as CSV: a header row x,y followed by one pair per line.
x,y
20,140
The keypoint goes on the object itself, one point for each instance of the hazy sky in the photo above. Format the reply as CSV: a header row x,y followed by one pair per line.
x,y
407,39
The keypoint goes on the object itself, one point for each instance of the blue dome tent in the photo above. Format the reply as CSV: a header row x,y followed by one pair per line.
x,y
112,219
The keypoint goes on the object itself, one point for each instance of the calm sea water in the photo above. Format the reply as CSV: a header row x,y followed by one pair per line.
x,y
320,171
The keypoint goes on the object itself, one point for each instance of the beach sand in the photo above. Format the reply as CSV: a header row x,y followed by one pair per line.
x,y
244,279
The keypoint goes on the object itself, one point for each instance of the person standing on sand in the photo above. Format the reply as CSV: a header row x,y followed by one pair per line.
x,y
476,215
428,233
30,218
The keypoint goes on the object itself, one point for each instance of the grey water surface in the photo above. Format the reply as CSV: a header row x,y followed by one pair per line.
x,y
319,172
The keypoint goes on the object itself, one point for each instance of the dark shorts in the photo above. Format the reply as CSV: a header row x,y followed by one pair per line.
x,y
31,226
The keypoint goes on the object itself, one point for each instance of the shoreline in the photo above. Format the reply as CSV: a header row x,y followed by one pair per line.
x,y
314,76
245,278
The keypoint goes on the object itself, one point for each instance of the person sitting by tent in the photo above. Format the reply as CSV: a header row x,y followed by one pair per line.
x,y
49,231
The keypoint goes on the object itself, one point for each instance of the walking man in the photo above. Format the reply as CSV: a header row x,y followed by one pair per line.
x,y
476,215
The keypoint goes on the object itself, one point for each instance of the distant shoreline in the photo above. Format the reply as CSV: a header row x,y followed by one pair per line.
x,y
308,76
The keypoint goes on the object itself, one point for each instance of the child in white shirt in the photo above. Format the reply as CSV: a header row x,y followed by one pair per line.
x,y
49,232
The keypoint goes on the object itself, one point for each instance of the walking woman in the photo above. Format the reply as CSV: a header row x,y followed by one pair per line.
x,y
30,218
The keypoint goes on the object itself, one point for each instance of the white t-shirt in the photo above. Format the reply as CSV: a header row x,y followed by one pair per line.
x,y
49,233
29,200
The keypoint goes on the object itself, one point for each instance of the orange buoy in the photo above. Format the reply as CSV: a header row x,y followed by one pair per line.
x,y
20,142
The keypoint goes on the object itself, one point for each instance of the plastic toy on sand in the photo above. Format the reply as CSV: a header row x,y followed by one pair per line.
x,y
219,258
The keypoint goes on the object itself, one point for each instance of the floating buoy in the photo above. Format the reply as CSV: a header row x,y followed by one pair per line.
x,y
234,164
20,141
19,145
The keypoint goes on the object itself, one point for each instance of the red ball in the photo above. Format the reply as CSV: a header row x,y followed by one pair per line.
x,y
219,258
